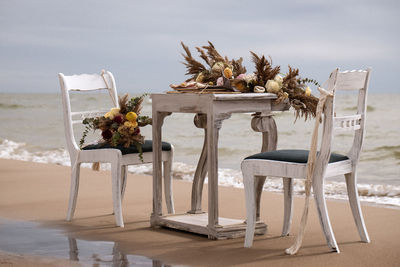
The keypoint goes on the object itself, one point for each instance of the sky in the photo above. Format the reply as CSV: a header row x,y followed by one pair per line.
x,y
139,41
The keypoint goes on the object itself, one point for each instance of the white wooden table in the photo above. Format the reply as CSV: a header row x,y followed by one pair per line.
x,y
210,110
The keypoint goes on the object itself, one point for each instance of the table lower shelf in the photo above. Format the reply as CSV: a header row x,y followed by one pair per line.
x,y
197,223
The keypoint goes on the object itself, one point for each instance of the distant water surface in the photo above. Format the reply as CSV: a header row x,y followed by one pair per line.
x,y
32,130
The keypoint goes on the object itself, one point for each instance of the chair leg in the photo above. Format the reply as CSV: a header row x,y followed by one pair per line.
x,y
249,189
168,186
318,188
287,202
124,174
116,193
73,249
351,182
259,185
73,194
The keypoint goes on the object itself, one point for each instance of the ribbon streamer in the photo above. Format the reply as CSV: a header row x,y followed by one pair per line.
x,y
310,171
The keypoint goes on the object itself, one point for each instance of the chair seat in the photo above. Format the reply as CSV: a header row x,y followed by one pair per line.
x,y
146,147
292,155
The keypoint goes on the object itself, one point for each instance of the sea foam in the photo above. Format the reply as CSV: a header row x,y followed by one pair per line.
x,y
372,193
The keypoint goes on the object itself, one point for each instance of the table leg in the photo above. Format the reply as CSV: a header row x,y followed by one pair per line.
x,y
264,123
158,119
200,120
214,123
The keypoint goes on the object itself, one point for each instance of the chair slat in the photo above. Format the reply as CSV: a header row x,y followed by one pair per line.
x,y
347,123
76,122
351,80
89,113
86,82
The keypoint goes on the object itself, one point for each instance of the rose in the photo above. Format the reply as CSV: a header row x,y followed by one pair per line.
x,y
131,116
112,113
241,76
308,91
228,73
272,86
107,134
118,118
109,115
131,124
220,81
200,78
250,78
218,66
278,78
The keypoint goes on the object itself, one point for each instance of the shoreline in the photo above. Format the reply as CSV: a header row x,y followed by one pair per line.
x,y
182,170
39,192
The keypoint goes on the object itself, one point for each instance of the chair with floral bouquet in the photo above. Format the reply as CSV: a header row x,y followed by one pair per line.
x,y
121,143
314,166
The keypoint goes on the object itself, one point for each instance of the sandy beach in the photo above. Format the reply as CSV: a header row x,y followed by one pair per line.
x,y
39,193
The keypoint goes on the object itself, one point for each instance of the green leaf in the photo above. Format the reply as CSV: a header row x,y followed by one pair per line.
x,y
139,148
115,138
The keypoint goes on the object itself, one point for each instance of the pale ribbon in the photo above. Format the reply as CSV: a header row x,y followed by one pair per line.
x,y
310,170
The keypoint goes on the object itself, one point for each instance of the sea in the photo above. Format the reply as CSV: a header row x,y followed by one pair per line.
x,y
32,129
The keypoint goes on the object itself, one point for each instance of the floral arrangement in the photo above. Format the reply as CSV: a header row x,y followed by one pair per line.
x,y
231,76
120,126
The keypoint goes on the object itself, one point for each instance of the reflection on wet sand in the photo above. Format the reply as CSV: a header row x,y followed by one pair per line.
x,y
28,238
119,259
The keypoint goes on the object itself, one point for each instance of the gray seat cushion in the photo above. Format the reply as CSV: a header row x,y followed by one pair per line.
x,y
292,155
146,147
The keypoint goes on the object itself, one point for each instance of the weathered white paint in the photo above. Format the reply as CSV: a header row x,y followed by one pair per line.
x,y
211,110
253,168
119,162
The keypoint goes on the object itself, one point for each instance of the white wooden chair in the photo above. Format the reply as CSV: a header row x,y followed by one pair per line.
x,y
292,164
119,158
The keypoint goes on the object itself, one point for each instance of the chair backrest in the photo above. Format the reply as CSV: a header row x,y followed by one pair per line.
x,y
83,83
352,81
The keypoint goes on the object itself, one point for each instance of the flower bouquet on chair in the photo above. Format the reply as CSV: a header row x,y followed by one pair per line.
x,y
120,127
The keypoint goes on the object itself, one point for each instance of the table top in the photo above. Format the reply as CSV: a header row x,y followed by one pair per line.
x,y
219,97
221,103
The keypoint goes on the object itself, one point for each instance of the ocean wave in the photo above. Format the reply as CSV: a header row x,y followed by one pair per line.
x,y
354,108
387,148
10,106
383,152
371,193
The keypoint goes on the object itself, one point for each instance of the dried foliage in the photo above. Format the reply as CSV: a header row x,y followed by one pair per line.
x,y
290,80
193,67
238,68
213,53
290,88
264,70
123,101
216,63
304,105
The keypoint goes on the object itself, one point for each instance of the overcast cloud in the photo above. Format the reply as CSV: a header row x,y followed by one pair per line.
x,y
139,41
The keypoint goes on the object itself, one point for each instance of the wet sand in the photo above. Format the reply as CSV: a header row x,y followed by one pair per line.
x,y
39,192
